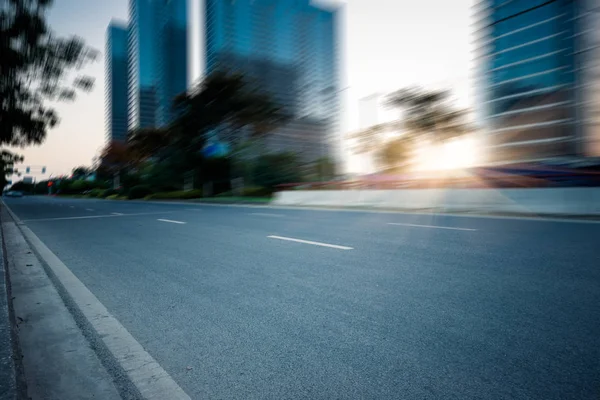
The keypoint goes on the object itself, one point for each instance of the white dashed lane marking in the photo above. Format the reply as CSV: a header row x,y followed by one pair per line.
x,y
333,246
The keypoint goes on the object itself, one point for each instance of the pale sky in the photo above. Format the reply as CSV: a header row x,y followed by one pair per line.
x,y
387,45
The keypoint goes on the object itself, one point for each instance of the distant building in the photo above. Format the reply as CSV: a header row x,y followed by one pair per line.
x,y
158,62
116,92
538,79
288,48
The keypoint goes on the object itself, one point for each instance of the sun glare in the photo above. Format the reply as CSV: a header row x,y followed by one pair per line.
x,y
456,154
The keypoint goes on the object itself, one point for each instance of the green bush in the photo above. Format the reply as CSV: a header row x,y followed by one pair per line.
x,y
139,192
180,194
95,193
112,197
80,186
108,192
225,194
257,191
275,169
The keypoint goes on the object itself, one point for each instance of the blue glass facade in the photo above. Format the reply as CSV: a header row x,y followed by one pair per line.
x,y
143,53
173,62
287,47
529,73
158,62
116,90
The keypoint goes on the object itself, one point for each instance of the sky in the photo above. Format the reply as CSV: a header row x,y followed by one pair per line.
x,y
386,45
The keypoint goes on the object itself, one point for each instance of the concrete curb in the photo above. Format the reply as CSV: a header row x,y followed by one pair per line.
x,y
560,217
364,209
11,370
139,376
577,201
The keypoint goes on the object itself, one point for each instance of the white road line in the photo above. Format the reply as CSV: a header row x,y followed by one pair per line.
x,y
334,246
171,221
94,216
432,226
117,214
267,215
89,209
72,206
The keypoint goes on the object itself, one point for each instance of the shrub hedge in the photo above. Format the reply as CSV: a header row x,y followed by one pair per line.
x,y
139,192
180,194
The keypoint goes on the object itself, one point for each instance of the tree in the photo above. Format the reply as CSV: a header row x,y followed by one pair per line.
x,y
7,162
148,142
427,114
225,103
430,114
22,187
81,172
275,169
394,155
115,157
324,169
35,67
373,138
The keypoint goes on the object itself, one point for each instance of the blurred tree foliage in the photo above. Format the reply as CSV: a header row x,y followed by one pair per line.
x,y
428,115
223,104
394,155
275,169
7,163
81,172
36,66
324,169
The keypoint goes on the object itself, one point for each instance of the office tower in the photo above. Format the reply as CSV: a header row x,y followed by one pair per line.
x,y
143,53
173,61
116,81
157,60
538,79
287,48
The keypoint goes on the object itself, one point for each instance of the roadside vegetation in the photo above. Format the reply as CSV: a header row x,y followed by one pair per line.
x,y
214,149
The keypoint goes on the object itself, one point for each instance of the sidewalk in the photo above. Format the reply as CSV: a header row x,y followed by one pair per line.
x,y
10,383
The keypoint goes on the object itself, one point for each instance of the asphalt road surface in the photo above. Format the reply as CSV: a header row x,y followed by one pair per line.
x,y
265,303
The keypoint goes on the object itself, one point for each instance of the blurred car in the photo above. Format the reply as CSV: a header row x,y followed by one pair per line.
x,y
14,193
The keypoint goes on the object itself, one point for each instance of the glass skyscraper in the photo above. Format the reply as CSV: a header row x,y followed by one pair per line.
x,y
116,81
158,62
287,48
537,96
173,62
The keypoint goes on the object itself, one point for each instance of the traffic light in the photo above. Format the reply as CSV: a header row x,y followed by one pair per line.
x,y
43,170
27,170
50,184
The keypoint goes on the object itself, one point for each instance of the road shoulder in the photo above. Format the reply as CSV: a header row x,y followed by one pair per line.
x,y
58,361
134,373
11,369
